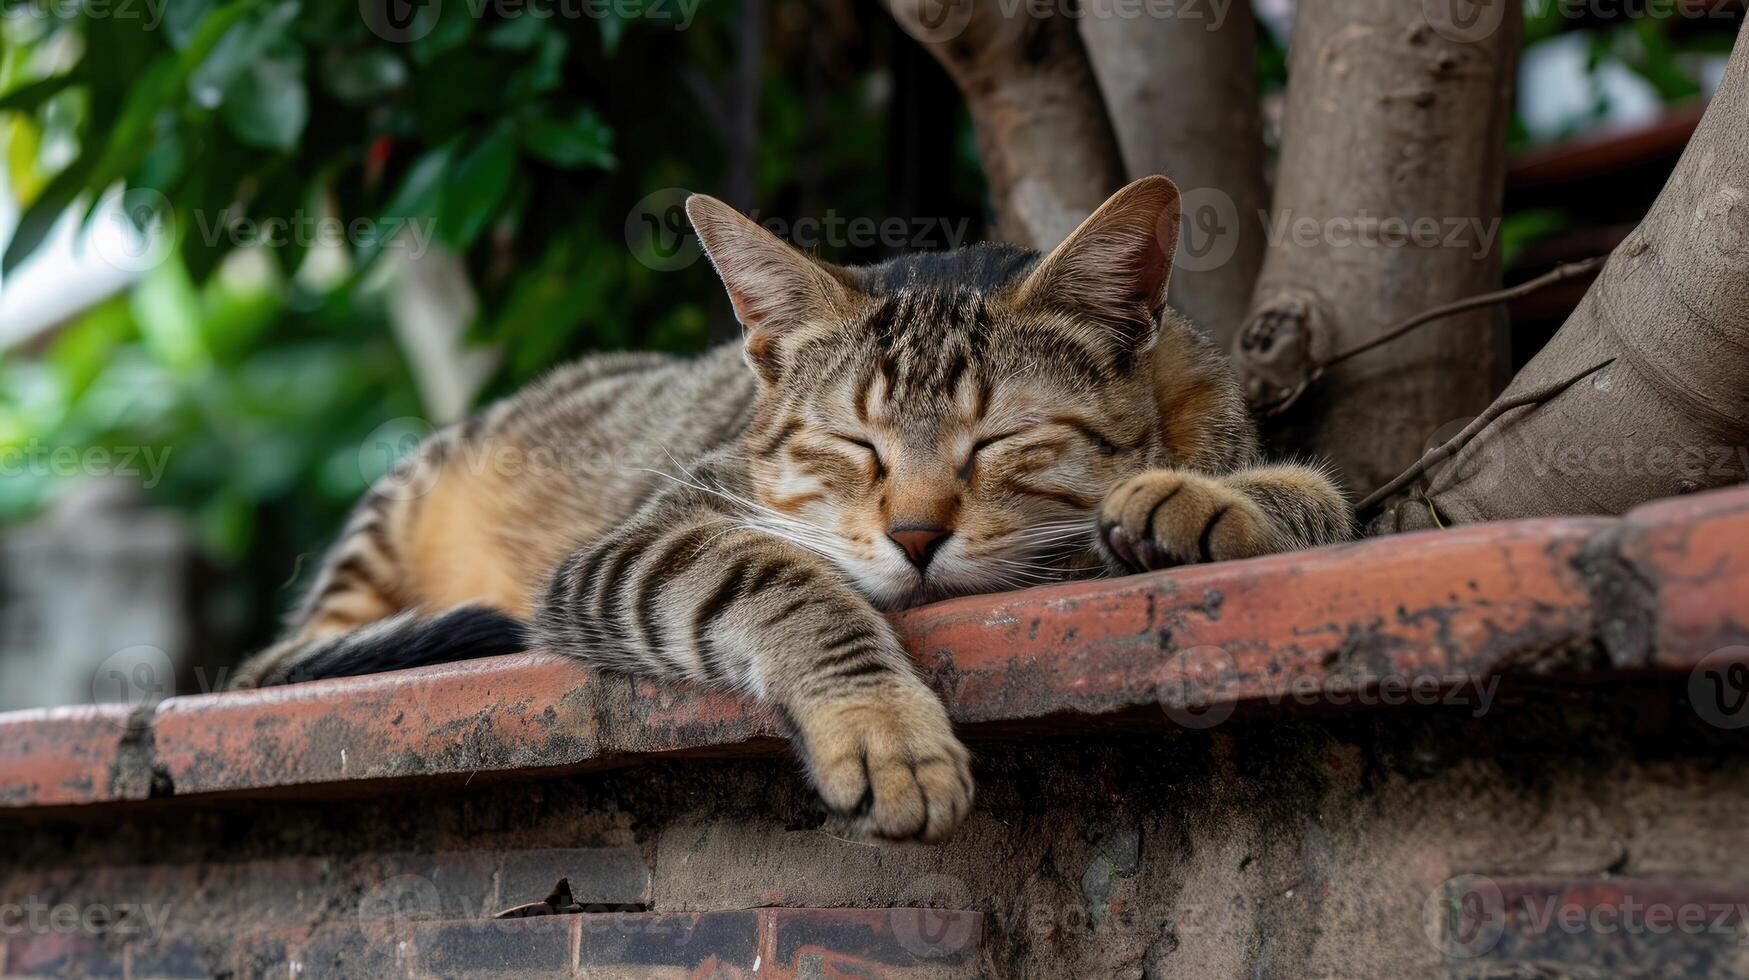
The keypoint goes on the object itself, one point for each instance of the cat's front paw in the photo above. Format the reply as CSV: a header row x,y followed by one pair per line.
x,y
1171,517
889,764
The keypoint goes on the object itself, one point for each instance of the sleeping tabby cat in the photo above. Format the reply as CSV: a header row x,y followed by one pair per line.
x,y
936,425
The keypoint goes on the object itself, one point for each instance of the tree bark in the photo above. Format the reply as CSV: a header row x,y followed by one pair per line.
x,y
1387,202
1670,414
1046,144
1181,92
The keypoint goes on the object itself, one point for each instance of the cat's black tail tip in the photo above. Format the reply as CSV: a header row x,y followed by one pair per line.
x,y
403,641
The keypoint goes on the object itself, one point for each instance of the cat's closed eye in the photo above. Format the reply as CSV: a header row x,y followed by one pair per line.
x,y
874,453
981,445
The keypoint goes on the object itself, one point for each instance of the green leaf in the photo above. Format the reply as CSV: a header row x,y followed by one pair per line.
x,y
227,43
268,104
156,89
471,194
81,351
613,28
418,198
130,137
450,32
582,139
38,219
182,20
518,33
547,71
359,76
168,310
28,98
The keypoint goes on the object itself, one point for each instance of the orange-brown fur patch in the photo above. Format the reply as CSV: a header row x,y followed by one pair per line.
x,y
453,556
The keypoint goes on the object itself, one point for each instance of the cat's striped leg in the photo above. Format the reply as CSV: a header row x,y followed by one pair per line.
x,y
1174,517
700,596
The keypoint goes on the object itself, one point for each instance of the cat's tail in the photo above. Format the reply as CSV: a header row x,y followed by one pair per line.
x,y
406,639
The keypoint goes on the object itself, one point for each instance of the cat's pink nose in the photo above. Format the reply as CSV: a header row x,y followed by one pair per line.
x,y
920,541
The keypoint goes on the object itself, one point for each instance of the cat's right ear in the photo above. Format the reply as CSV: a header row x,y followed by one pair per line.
x,y
776,289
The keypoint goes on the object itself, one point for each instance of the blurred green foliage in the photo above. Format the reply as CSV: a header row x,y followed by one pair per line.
x,y
523,141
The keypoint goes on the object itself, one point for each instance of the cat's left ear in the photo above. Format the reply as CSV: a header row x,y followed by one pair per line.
x,y
775,288
1114,268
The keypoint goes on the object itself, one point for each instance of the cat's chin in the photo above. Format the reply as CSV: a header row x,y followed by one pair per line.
x,y
924,593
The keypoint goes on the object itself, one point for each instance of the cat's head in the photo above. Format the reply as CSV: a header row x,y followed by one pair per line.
x,y
948,423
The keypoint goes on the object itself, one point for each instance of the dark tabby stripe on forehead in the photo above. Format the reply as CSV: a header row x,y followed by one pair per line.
x,y
925,342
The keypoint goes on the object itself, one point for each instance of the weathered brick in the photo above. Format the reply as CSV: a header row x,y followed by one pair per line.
x,y
59,756
264,957
1588,926
516,712
445,885
907,943
542,946
179,958
598,875
356,951
53,954
277,891
638,946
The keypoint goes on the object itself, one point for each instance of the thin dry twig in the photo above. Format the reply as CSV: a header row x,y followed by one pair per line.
x,y
1571,270
1456,443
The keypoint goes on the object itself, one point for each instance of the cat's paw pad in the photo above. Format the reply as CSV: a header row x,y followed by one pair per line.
x,y
1167,517
891,766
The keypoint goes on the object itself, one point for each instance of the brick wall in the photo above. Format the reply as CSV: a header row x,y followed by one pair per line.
x,y
1504,751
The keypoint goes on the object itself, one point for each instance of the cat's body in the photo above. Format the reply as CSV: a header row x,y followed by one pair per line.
x,y
936,425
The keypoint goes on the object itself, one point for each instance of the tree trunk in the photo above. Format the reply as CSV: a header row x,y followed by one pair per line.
x,y
1387,202
1670,414
1046,144
1182,95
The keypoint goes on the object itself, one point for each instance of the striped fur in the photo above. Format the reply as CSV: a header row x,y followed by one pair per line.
x,y
937,425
